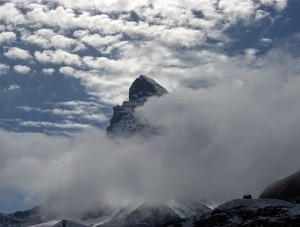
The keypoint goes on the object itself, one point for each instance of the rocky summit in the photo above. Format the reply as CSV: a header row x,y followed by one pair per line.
x,y
124,122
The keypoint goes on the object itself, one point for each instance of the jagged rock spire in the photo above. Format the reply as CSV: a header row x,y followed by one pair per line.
x,y
145,87
123,121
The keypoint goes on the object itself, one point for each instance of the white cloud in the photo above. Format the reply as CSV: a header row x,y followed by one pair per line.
x,y
48,71
17,53
58,57
96,40
59,17
182,36
7,37
99,84
3,69
10,14
40,38
67,70
60,41
72,110
212,138
238,9
279,4
239,121
64,125
12,87
23,69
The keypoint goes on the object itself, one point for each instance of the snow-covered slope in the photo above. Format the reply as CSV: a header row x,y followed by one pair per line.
x,y
123,121
60,223
156,214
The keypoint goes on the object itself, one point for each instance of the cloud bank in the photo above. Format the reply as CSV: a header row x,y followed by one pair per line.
x,y
217,143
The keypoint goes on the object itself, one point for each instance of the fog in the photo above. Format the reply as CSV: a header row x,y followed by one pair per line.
x,y
217,143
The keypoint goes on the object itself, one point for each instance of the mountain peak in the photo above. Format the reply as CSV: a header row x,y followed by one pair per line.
x,y
124,121
145,87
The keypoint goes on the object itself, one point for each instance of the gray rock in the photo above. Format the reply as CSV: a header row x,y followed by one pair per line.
x,y
287,189
123,121
246,212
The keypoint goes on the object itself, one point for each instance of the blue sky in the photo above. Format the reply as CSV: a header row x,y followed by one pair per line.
x,y
64,63
58,53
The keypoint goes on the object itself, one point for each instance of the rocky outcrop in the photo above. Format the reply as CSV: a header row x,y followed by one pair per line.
x,y
246,212
287,189
124,122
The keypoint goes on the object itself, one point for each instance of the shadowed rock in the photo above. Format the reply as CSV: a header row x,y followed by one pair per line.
x,y
144,87
285,189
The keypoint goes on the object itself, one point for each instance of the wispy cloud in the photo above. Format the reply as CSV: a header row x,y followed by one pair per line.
x,y
3,69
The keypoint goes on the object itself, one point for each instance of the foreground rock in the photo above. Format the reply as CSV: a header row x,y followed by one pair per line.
x,y
123,121
247,212
287,189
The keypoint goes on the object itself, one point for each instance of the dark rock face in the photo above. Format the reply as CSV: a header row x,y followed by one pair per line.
x,y
144,87
287,189
252,213
123,121
247,212
247,196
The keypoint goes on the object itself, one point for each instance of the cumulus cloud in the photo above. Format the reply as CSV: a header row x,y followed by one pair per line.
x,y
13,87
182,36
7,37
63,42
48,71
23,69
97,41
236,9
3,69
17,53
9,14
58,57
126,37
279,4
40,37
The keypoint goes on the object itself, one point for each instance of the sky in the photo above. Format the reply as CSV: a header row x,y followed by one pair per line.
x,y
229,124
